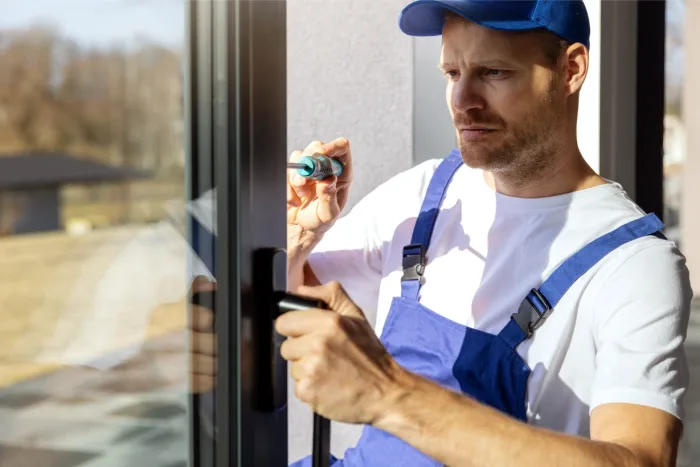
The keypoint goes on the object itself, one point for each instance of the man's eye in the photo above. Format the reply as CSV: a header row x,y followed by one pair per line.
x,y
452,74
495,73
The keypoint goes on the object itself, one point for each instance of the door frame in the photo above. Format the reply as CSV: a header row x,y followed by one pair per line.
x,y
237,145
632,98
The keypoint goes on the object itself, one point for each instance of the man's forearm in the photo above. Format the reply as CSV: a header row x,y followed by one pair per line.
x,y
303,275
299,248
458,431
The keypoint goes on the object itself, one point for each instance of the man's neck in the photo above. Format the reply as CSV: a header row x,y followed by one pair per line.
x,y
568,175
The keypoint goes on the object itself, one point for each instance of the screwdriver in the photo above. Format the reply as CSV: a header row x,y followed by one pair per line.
x,y
317,167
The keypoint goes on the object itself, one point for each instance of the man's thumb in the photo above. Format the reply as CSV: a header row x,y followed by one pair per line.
x,y
335,297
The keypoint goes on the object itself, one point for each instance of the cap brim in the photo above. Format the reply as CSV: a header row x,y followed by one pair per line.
x,y
427,17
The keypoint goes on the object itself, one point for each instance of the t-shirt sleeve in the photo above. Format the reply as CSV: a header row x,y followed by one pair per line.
x,y
351,253
641,319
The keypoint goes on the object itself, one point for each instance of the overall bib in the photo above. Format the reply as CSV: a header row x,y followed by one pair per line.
x,y
484,366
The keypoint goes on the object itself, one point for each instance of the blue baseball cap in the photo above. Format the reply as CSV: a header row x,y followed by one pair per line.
x,y
567,19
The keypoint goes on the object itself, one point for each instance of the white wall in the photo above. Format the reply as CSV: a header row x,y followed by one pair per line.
x,y
433,133
589,106
350,73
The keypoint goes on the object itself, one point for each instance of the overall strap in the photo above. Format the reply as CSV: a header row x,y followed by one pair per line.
x,y
414,261
203,244
540,303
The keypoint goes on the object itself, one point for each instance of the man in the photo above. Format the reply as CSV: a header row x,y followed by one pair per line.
x,y
528,312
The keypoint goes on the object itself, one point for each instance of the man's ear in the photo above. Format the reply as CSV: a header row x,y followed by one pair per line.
x,y
577,62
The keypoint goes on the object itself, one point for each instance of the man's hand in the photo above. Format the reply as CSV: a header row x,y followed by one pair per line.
x,y
313,207
203,363
340,367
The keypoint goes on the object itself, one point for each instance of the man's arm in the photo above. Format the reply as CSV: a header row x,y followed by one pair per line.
x,y
349,252
303,275
344,372
458,431
639,324
310,278
299,271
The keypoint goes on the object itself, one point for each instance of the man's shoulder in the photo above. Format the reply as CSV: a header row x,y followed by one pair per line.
x,y
653,252
414,179
649,259
591,232
610,209
648,267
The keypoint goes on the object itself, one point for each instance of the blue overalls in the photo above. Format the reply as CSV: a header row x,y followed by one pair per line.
x,y
484,366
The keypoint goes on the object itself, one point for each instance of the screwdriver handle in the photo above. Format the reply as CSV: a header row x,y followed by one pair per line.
x,y
318,167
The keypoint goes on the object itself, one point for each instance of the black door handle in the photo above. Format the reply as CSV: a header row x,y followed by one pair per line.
x,y
321,426
270,375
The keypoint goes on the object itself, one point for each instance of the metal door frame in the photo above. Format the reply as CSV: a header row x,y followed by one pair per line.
x,y
632,98
236,106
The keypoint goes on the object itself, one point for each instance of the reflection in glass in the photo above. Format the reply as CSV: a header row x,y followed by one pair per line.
x,y
92,250
678,172
674,135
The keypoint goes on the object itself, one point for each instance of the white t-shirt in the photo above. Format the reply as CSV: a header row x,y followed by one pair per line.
x,y
616,335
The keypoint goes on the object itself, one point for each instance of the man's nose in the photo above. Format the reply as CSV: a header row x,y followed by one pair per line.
x,y
466,95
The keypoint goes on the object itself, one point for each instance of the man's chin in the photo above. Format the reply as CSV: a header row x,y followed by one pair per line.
x,y
477,159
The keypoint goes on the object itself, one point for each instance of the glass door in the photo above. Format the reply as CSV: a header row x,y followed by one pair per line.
x,y
94,253
237,159
142,226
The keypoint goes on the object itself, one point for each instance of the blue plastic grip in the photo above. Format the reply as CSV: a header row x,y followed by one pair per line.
x,y
319,167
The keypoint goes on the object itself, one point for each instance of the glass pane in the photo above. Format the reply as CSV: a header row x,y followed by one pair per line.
x,y
674,151
681,176
93,257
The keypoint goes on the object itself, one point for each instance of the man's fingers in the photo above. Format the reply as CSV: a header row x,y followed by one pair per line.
x,y
201,319
306,188
321,292
298,180
292,196
340,149
203,343
202,284
296,371
203,365
313,148
300,323
200,384
301,186
334,296
327,207
295,348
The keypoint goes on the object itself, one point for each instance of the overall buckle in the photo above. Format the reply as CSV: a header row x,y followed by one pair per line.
x,y
529,317
413,263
